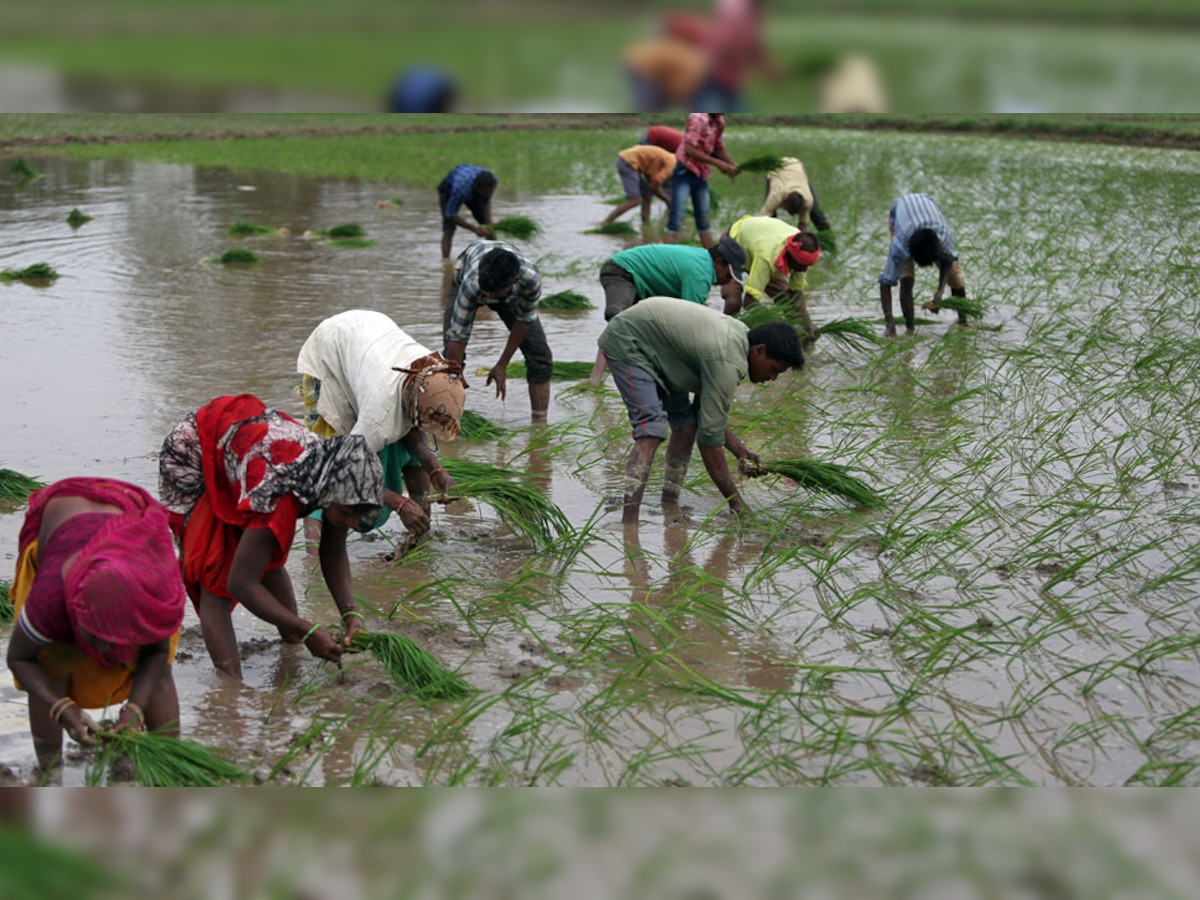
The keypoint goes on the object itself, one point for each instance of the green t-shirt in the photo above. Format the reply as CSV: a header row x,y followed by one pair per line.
x,y
669,270
687,349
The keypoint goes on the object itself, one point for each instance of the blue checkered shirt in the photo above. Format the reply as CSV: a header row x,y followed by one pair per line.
x,y
461,180
522,299
908,214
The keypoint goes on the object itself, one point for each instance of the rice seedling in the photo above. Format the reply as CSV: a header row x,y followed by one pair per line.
x,y
21,169
827,240
617,227
565,300
851,332
348,230
825,478
476,427
564,370
36,868
36,272
520,227
75,218
762,162
238,255
162,761
17,487
7,612
249,229
968,306
760,313
412,666
520,505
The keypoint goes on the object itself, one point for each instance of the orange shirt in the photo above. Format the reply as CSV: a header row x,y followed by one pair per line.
x,y
655,163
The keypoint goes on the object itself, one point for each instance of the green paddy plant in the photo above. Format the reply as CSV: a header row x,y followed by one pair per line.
x,y
17,487
520,505
249,229
348,230
238,255
160,760
564,370
851,332
565,300
762,162
824,478
968,306
827,240
7,612
760,313
618,227
75,218
22,169
412,666
36,272
476,427
520,227
36,868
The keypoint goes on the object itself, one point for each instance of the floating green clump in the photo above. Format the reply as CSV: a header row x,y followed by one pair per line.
x,y
518,503
249,229
349,230
970,308
520,227
36,272
474,427
22,169
412,666
617,227
565,300
75,218
238,255
160,760
15,486
762,162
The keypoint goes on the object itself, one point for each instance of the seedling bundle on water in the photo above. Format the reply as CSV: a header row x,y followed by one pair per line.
x,y
238,255
520,505
163,761
474,427
36,272
249,229
565,300
75,218
520,227
411,666
15,486
821,477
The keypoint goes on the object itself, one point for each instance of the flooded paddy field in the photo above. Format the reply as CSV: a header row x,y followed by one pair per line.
x,y
1022,611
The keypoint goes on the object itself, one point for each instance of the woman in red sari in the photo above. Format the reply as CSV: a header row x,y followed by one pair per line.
x,y
236,477
99,603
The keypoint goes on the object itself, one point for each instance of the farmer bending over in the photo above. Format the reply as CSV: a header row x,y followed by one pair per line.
x,y
363,375
779,257
236,476
99,603
789,188
918,233
474,187
676,366
497,274
643,169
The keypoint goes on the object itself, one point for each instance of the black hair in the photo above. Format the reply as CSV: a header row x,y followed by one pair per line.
x,y
924,246
485,179
498,269
795,203
781,340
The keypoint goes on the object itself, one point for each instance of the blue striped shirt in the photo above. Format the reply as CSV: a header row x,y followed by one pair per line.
x,y
909,214
522,299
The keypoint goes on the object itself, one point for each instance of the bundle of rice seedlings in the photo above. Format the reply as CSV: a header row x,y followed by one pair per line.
x,y
75,218
569,370
520,227
39,869
411,666
851,332
617,227
353,242
15,486
7,612
972,309
826,478
246,229
762,162
36,272
827,241
22,169
163,761
565,300
238,255
349,230
474,427
520,505
761,313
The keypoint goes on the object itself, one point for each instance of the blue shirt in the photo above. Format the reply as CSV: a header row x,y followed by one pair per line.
x,y
461,182
522,298
909,214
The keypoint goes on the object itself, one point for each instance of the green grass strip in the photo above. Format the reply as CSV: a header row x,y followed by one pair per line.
x,y
519,504
826,478
520,227
36,272
411,666
15,486
163,761
565,300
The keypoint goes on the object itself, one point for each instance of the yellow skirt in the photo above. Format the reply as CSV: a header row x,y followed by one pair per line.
x,y
89,684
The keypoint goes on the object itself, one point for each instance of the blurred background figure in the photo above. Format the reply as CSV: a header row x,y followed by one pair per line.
x,y
423,89
665,74
853,85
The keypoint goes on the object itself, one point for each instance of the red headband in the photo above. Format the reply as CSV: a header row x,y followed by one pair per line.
x,y
794,253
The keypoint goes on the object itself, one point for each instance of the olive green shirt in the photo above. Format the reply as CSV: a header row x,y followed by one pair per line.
x,y
687,349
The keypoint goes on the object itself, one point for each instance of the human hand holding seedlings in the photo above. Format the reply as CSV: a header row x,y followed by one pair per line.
x,y
353,622
440,480
130,718
78,724
321,645
412,515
